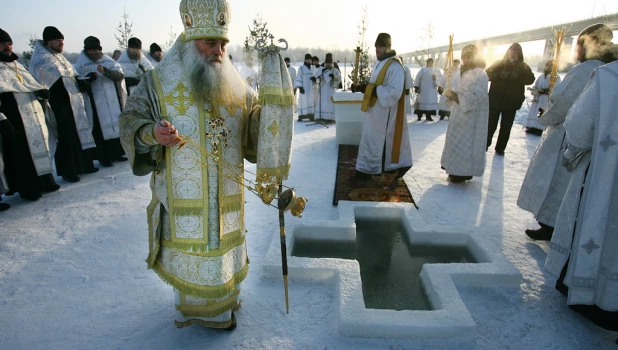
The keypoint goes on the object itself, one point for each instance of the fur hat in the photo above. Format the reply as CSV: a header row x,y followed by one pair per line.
x,y
384,39
308,56
134,43
329,58
5,37
469,51
205,19
51,33
92,43
154,48
315,58
287,59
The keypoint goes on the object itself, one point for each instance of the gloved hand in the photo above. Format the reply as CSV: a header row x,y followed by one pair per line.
x,y
7,130
92,76
543,91
440,90
301,90
332,75
43,94
142,67
417,89
406,91
313,79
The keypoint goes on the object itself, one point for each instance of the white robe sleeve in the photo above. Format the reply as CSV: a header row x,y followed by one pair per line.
x,y
579,122
417,80
472,89
298,81
391,89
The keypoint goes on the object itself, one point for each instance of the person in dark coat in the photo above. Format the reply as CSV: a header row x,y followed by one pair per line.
x,y
508,78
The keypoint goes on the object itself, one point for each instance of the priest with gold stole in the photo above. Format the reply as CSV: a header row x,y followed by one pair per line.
x,y
196,216
385,144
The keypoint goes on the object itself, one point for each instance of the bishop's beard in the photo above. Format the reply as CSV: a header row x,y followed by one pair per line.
x,y
212,81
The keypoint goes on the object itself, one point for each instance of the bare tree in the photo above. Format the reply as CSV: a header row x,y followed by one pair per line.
x,y
426,37
363,69
125,31
171,38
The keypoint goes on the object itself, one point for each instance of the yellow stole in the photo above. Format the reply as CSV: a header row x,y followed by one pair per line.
x,y
369,100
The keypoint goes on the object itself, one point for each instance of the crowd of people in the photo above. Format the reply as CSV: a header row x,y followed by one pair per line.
x,y
67,113
571,184
113,109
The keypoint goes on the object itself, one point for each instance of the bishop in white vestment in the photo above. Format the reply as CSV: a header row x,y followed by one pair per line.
x,y
196,216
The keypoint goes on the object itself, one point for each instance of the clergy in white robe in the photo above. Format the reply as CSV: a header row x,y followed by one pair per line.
x,y
450,80
196,216
464,147
71,125
545,182
155,55
104,100
426,87
134,64
583,250
304,82
385,144
24,140
292,72
328,79
540,100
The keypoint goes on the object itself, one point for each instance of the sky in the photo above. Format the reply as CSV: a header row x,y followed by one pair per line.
x,y
73,276
316,23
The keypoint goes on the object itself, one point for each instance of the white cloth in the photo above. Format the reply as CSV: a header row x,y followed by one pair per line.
x,y
47,66
545,182
427,80
31,112
152,60
466,134
379,124
292,72
106,96
408,84
444,84
131,69
592,130
539,101
306,101
325,108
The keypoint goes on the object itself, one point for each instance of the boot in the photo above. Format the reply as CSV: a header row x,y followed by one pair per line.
x,y
428,118
544,233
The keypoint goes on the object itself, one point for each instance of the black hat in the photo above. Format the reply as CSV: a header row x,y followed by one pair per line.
x,y
287,59
51,33
92,43
135,43
308,56
154,48
315,58
329,58
5,37
384,39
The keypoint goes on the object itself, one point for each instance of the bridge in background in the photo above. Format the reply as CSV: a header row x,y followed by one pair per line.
x,y
545,33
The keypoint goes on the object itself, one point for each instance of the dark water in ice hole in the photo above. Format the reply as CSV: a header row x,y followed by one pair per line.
x,y
390,266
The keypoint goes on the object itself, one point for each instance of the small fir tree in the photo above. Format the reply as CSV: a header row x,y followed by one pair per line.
x,y
364,69
125,30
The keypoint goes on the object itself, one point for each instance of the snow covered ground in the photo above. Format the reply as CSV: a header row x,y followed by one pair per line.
x,y
73,276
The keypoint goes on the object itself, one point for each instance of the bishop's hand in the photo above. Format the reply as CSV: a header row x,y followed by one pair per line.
x,y
166,134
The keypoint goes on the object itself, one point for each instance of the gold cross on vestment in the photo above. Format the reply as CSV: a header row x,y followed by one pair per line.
x,y
180,97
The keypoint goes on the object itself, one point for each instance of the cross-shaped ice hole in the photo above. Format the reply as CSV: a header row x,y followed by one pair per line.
x,y
445,316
